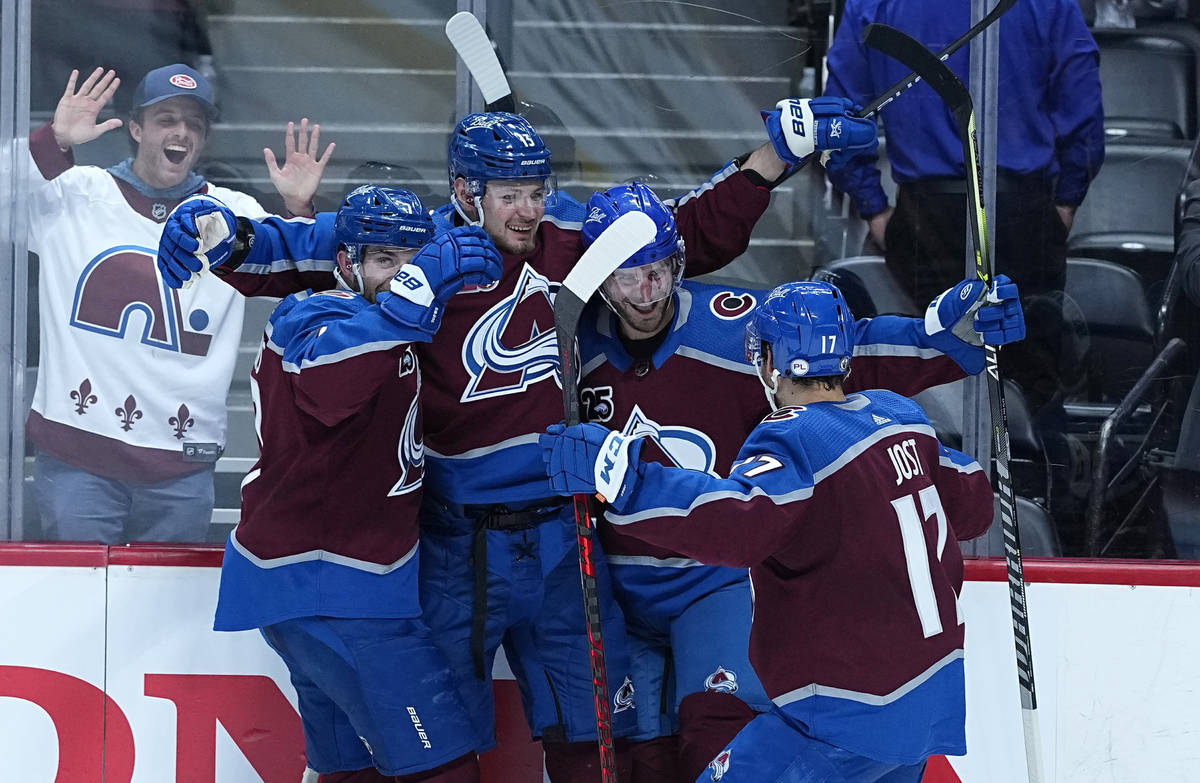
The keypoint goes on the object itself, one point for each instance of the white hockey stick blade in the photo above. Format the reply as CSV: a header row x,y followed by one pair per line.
x,y
627,235
467,36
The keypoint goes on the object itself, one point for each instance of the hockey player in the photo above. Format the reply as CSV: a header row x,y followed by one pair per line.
x,y
325,558
124,448
500,562
842,507
660,334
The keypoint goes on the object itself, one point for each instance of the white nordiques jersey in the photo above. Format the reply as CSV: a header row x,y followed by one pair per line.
x,y
130,371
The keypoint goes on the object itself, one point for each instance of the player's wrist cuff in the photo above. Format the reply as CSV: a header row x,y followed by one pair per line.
x,y
243,243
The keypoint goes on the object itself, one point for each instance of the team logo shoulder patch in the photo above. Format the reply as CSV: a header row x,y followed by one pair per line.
x,y
783,414
623,699
730,306
720,765
337,293
721,681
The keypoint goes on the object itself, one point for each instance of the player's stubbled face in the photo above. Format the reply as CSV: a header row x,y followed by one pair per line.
x,y
379,265
512,210
170,138
641,296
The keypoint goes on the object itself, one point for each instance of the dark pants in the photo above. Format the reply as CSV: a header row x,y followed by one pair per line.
x,y
926,240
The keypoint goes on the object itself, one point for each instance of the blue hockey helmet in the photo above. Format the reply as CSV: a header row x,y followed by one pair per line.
x,y
374,215
497,145
663,256
809,327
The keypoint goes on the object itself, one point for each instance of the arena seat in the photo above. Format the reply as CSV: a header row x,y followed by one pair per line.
x,y
869,286
1120,328
1038,535
1029,463
1163,106
1181,483
1128,214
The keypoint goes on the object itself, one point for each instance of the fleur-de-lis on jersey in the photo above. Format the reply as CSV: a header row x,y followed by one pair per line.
x,y
181,421
128,413
83,396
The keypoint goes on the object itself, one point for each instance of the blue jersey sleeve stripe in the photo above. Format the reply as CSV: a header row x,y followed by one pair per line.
x,y
893,349
322,555
958,461
322,358
814,689
728,170
520,440
716,361
847,456
710,497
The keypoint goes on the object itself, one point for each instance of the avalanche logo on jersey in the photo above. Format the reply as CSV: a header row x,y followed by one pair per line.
x,y
513,345
623,699
124,280
729,306
720,765
721,681
410,451
683,446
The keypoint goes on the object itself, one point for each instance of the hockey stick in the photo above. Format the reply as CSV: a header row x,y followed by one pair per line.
x,y
897,89
938,75
627,234
471,42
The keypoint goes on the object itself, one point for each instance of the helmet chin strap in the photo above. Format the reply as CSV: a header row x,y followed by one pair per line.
x,y
462,213
359,286
770,389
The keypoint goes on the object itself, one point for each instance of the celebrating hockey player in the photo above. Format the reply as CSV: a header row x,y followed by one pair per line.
x,y
325,558
659,335
845,508
499,563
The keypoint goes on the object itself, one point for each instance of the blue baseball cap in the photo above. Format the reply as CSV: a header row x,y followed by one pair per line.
x,y
171,81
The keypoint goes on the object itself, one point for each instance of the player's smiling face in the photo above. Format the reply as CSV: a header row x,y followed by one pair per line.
x,y
170,138
512,210
378,265
641,296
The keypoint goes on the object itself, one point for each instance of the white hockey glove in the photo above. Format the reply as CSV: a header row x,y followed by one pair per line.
x,y
590,458
798,127
995,318
462,256
198,234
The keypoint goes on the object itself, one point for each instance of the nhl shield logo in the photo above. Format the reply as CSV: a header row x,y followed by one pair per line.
x,y
158,210
721,681
720,765
623,698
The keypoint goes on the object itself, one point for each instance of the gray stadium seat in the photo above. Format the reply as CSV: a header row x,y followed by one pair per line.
x,y
1128,214
869,286
1038,536
1029,463
1163,106
1111,300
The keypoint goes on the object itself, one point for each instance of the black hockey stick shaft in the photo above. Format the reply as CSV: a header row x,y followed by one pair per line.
x,y
625,236
938,75
567,309
897,89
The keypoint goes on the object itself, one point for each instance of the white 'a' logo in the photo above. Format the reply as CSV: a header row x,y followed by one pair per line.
x,y
513,345
686,447
410,451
